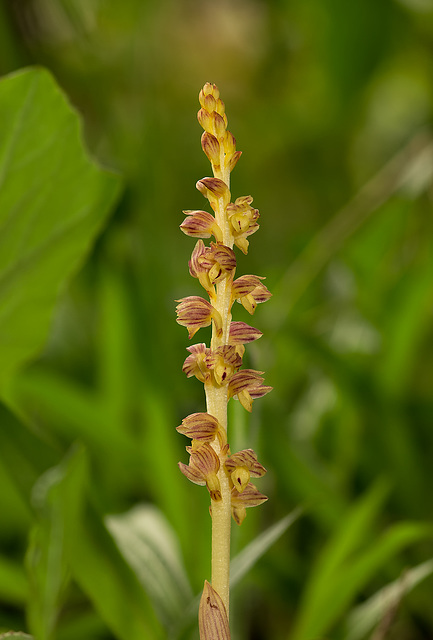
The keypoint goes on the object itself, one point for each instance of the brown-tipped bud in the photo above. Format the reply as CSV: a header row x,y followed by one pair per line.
x,y
199,426
219,124
202,469
250,497
232,161
195,363
194,313
229,143
220,107
211,147
206,120
212,616
209,103
242,333
211,89
213,189
201,224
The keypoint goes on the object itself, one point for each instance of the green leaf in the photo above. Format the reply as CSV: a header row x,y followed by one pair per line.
x,y
53,201
95,561
345,567
151,547
354,575
111,584
354,530
367,615
58,498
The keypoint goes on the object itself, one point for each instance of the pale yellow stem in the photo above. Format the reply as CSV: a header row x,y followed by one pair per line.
x,y
216,401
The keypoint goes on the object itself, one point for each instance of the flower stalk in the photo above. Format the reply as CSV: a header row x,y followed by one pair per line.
x,y
218,367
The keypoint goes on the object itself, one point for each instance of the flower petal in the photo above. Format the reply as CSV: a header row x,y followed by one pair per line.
x,y
195,364
242,333
199,426
245,458
201,224
213,189
211,147
194,312
212,617
250,497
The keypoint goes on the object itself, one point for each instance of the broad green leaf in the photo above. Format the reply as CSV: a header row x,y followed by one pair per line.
x,y
111,584
151,547
247,558
355,574
354,530
347,564
57,499
95,561
362,620
53,201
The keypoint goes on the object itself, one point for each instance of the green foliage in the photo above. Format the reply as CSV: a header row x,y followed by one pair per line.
x,y
58,500
331,104
53,201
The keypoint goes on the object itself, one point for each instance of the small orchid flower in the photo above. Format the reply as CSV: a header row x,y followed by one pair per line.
x,y
202,469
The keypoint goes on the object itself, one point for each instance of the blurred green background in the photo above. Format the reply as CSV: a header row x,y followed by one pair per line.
x,y
331,102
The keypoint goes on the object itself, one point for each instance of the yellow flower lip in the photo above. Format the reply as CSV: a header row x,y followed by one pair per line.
x,y
223,362
247,385
246,458
250,291
211,264
249,497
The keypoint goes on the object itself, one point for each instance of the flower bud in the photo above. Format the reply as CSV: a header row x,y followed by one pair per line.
x,y
199,426
211,147
205,119
212,616
194,313
201,224
195,364
219,124
242,333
